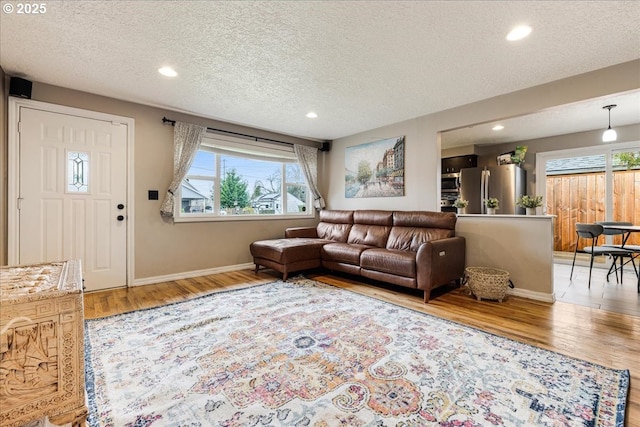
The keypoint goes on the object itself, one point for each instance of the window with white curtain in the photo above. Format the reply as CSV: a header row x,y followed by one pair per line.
x,y
236,179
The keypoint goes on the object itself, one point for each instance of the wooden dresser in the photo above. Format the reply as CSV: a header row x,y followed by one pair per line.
x,y
42,344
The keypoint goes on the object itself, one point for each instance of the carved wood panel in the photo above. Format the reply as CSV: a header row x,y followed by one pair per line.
x,y
42,350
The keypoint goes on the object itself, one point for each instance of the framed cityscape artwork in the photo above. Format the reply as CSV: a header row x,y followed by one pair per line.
x,y
375,169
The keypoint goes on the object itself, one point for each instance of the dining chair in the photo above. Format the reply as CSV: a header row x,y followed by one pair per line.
x,y
593,231
635,249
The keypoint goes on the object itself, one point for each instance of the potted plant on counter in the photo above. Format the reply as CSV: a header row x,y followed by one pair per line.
x,y
530,203
492,204
461,204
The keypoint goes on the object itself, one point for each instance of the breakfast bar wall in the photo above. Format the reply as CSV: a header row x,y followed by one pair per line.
x,y
519,244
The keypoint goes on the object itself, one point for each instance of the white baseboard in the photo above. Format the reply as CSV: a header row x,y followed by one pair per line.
x,y
538,296
190,274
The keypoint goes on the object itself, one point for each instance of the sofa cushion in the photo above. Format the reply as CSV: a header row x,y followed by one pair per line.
x,y
371,228
443,220
336,217
334,232
373,217
410,238
285,251
398,262
413,228
335,225
370,235
343,252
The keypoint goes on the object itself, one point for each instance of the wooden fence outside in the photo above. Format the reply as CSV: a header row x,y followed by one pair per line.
x,y
581,198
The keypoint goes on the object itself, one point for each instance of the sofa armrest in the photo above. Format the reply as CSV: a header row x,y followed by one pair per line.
x,y
309,232
439,262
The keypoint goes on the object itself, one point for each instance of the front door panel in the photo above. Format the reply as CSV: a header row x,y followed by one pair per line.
x,y
72,179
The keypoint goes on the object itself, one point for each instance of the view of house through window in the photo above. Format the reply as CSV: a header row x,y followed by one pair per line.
x,y
247,181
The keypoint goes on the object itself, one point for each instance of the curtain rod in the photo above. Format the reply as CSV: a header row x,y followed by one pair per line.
x,y
255,138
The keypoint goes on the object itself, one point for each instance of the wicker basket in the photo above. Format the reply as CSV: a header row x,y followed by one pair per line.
x,y
487,283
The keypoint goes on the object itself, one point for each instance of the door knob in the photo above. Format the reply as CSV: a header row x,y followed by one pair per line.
x,y
120,206
120,217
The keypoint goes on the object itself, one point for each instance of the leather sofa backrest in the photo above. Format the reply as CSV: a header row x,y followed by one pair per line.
x,y
335,225
402,230
423,219
371,228
411,229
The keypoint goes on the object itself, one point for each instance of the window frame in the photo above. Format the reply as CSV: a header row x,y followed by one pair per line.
x,y
607,151
255,150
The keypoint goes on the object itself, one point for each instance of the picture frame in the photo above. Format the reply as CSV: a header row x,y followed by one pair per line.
x,y
375,169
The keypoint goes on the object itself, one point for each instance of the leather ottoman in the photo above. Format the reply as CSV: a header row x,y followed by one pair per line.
x,y
287,255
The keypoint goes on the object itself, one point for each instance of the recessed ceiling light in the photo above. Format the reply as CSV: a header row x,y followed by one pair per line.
x,y
519,32
167,71
312,115
497,127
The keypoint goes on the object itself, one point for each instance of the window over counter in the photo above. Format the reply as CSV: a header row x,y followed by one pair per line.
x,y
235,179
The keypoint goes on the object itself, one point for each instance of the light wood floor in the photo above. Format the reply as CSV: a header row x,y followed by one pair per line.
x,y
599,336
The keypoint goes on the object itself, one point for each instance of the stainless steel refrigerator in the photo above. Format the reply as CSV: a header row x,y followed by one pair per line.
x,y
506,183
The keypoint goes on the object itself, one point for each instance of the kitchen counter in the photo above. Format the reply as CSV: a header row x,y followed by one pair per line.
x,y
536,217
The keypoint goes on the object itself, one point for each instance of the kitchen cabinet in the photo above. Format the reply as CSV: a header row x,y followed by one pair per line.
x,y
454,164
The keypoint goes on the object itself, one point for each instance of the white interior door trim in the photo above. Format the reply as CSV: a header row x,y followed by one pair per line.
x,y
13,165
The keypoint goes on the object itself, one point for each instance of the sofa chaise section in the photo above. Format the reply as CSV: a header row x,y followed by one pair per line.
x,y
300,249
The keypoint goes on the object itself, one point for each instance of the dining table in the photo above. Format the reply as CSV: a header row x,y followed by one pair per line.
x,y
627,230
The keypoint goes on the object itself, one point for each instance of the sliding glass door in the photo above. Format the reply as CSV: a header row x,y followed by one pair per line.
x,y
589,185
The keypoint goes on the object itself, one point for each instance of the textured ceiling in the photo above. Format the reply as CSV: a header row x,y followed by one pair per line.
x,y
358,64
565,119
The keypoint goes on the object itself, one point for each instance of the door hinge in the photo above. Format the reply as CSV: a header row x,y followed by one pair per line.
x,y
116,123
20,203
19,127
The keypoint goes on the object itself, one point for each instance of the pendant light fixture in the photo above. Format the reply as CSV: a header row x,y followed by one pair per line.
x,y
609,134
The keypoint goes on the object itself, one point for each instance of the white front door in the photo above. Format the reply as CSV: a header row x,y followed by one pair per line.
x,y
72,197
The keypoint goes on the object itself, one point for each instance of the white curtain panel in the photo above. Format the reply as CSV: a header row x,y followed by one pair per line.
x,y
186,142
308,159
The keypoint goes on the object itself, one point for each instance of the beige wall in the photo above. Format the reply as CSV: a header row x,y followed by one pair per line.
x,y
520,244
162,247
415,166
422,145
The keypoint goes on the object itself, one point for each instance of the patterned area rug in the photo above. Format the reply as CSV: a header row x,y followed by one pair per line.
x,y
302,353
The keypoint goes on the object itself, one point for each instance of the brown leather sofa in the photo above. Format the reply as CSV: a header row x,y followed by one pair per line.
x,y
416,249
